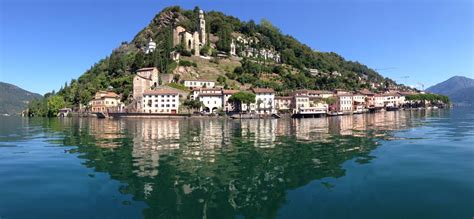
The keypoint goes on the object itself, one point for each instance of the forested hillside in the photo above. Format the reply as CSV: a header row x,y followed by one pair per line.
x,y
300,65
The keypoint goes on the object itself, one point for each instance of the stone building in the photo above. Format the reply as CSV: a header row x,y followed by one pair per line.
x,y
190,40
146,79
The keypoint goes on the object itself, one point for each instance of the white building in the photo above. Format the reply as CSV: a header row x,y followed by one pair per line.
x,y
359,101
165,101
197,91
212,102
344,102
264,101
199,83
150,47
226,94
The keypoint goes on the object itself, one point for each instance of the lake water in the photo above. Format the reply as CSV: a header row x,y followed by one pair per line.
x,y
413,164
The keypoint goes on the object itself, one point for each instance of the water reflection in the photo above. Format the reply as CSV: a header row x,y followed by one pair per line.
x,y
225,168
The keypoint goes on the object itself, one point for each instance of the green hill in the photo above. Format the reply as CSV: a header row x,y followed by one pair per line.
x,y
300,66
14,99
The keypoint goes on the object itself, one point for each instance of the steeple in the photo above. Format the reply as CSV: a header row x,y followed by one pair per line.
x,y
151,46
202,28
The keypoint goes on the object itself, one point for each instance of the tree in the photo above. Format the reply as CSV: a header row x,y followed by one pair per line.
x,y
55,103
240,98
193,104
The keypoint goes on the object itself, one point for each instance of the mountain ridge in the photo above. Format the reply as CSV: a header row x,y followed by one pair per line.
x,y
459,89
14,99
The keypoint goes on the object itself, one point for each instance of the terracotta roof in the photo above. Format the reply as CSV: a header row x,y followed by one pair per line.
x,y
229,91
146,69
205,89
284,97
320,92
160,91
210,94
110,94
366,92
263,90
203,80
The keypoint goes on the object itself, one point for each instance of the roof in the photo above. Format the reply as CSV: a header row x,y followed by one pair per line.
x,y
262,90
160,91
366,92
229,91
104,94
203,80
284,97
320,92
210,94
205,89
147,69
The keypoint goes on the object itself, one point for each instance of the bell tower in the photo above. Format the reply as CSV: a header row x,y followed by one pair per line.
x,y
202,28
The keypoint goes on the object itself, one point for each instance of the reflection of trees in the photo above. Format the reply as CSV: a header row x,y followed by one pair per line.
x,y
224,168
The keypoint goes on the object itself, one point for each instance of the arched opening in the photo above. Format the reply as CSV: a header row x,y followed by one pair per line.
x,y
206,110
189,44
214,110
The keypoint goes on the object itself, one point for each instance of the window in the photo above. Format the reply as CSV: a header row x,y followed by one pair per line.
x,y
173,105
167,105
162,105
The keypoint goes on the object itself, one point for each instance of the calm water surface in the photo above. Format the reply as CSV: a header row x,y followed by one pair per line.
x,y
417,164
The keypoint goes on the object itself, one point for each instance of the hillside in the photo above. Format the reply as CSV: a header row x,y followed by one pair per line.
x,y
14,99
235,54
458,88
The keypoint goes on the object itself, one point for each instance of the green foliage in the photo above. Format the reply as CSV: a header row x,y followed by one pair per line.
x,y
221,80
193,104
187,63
178,86
48,106
242,97
428,97
205,50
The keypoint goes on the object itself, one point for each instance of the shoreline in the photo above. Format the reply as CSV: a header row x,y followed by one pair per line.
x,y
249,116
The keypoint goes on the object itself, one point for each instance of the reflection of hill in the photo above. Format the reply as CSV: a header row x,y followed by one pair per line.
x,y
224,168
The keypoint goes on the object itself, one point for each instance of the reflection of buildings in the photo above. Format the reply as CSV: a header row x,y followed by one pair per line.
x,y
217,168
107,133
152,138
261,131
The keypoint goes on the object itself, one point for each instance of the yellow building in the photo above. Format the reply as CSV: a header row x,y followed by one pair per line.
x,y
105,101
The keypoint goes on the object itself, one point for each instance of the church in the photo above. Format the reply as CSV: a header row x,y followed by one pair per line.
x,y
191,41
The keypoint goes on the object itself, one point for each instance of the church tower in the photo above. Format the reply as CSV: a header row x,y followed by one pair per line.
x,y
202,28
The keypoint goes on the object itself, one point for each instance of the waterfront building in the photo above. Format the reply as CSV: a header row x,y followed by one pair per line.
x,y
145,79
199,90
212,102
283,103
164,101
264,101
226,94
344,102
105,101
359,102
379,101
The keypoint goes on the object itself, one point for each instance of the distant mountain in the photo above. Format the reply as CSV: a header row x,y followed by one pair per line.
x,y
458,88
14,99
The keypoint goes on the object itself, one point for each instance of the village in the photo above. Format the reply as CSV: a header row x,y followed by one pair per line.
x,y
151,99
201,96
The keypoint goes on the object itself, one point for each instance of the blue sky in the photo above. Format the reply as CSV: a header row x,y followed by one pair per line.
x,y
44,43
